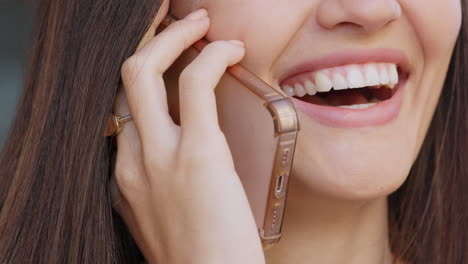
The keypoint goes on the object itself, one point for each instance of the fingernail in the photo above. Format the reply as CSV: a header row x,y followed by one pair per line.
x,y
197,15
237,43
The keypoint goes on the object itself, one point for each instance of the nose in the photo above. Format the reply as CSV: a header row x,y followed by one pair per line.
x,y
366,15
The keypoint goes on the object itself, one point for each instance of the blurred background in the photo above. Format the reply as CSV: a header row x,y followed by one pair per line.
x,y
16,22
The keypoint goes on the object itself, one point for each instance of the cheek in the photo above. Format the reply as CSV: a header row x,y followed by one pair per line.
x,y
436,33
265,28
436,36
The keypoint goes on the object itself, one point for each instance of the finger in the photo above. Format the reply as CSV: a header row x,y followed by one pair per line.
x,y
129,151
128,141
197,82
144,85
161,52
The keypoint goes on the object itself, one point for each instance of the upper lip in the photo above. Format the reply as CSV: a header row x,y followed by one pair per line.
x,y
349,57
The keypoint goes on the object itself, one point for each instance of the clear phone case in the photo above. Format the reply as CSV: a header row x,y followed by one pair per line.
x,y
261,126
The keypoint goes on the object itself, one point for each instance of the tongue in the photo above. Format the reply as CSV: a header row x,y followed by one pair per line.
x,y
344,97
382,94
313,99
350,98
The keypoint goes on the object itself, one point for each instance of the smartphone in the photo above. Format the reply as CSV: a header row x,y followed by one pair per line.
x,y
261,126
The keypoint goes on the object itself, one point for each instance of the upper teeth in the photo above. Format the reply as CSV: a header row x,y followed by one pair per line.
x,y
343,77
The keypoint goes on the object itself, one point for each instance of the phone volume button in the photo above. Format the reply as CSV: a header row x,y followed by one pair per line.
x,y
285,157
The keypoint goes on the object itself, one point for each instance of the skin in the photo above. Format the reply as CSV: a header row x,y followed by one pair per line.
x,y
337,206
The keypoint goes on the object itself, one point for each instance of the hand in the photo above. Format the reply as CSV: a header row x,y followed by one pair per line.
x,y
179,193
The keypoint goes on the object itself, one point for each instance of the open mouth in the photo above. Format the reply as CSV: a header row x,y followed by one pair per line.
x,y
357,98
356,86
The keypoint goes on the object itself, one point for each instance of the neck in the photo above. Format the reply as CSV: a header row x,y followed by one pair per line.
x,y
323,230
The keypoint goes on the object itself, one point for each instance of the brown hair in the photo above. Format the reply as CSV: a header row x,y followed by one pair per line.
x,y
54,168
429,213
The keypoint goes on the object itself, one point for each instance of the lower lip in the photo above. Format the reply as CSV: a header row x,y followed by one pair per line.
x,y
380,114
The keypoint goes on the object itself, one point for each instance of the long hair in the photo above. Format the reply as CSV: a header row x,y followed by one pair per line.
x,y
429,213
55,165
54,169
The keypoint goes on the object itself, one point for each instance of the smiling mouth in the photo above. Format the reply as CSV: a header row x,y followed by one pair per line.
x,y
354,86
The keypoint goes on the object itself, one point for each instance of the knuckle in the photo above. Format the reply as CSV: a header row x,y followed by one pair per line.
x,y
127,179
194,74
129,68
181,27
128,65
137,65
178,34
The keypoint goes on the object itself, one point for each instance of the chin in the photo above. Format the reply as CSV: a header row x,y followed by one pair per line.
x,y
356,165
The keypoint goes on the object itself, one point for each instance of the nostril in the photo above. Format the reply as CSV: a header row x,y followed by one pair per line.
x,y
348,25
363,26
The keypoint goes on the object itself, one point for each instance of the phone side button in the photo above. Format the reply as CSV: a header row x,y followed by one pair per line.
x,y
285,157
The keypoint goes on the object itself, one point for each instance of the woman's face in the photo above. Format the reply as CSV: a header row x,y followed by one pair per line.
x,y
347,153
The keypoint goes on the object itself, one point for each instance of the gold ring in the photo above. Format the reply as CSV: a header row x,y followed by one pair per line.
x,y
115,124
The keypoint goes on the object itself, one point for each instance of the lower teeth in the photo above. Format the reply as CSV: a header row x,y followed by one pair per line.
x,y
358,106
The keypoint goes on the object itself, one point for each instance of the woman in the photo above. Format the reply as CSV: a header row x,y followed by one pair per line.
x,y
382,184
